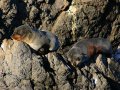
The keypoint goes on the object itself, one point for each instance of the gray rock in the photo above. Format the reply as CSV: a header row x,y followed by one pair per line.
x,y
70,20
22,70
33,13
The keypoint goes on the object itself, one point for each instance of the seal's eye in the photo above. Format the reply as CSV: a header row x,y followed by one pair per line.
x,y
21,32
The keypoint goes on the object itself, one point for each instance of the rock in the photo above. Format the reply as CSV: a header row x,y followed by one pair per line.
x,y
38,74
3,85
24,85
71,20
33,13
100,82
61,74
11,80
47,1
100,65
61,4
16,66
82,18
22,69
2,33
15,62
30,1
65,21
117,54
5,5
40,0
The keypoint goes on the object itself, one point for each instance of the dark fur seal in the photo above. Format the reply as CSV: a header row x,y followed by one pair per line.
x,y
85,49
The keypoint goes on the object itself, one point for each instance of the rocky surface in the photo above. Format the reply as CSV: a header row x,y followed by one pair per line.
x,y
21,69
70,20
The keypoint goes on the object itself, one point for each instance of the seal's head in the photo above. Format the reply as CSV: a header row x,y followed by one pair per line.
x,y
74,56
20,33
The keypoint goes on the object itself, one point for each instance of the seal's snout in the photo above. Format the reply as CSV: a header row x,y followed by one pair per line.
x,y
16,37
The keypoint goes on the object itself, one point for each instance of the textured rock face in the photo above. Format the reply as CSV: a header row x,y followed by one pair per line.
x,y
21,69
70,20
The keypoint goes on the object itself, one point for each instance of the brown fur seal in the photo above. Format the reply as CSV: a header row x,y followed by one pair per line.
x,y
42,41
83,50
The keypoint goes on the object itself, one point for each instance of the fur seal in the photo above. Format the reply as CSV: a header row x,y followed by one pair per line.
x,y
41,41
85,49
